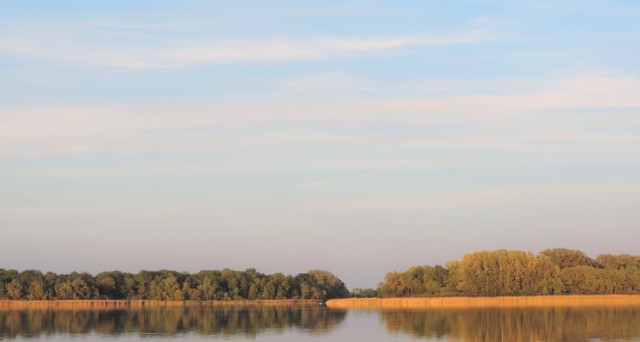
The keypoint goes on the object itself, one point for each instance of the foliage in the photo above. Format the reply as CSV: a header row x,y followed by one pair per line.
x,y
517,273
364,293
170,285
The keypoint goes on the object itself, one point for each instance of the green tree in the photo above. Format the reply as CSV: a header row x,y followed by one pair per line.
x,y
36,291
14,289
64,290
569,257
171,289
80,289
622,261
207,288
331,285
107,286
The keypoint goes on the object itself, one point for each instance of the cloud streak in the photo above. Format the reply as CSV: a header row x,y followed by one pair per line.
x,y
74,43
501,121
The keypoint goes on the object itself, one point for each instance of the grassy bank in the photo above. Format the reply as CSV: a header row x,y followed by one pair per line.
x,y
123,304
485,302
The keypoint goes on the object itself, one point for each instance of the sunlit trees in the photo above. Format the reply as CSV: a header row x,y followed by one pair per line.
x,y
547,275
170,285
618,262
502,272
513,273
485,273
276,287
392,285
568,257
170,289
417,281
64,291
14,289
73,287
6,277
80,289
36,291
330,285
207,289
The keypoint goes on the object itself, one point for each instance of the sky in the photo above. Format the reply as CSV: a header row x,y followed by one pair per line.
x,y
359,137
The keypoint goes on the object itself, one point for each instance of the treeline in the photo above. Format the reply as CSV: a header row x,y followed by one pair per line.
x,y
514,273
170,285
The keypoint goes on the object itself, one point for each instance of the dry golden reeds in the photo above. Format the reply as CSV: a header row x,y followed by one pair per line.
x,y
485,302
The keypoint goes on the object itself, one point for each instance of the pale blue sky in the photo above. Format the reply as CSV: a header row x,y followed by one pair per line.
x,y
359,137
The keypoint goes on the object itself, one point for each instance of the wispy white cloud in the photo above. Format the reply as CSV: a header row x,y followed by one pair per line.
x,y
519,120
75,43
591,91
75,24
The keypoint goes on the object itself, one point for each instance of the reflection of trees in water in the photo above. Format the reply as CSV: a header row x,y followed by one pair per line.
x,y
549,324
170,320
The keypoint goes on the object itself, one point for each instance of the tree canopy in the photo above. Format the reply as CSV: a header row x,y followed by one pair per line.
x,y
514,273
170,285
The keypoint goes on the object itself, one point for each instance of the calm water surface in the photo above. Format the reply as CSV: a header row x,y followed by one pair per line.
x,y
322,324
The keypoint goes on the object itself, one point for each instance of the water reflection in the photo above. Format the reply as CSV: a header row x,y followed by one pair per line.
x,y
551,324
186,323
169,321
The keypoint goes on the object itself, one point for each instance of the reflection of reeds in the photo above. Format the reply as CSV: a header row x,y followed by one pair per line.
x,y
486,302
512,324
118,304
169,320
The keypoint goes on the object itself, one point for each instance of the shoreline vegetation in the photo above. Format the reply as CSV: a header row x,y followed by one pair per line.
x,y
97,304
560,301
500,273
170,286
486,302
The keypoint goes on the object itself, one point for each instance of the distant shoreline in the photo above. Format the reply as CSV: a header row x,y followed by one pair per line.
x,y
485,302
345,303
125,304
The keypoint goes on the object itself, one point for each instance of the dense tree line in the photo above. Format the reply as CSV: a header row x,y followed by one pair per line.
x,y
363,293
514,273
170,285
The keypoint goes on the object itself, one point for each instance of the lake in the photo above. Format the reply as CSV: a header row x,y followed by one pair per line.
x,y
321,324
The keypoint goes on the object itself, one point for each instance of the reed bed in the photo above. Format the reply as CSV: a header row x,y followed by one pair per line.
x,y
486,302
125,304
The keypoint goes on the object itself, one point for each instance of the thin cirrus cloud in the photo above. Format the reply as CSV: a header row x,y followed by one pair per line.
x,y
495,197
504,120
588,91
64,45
